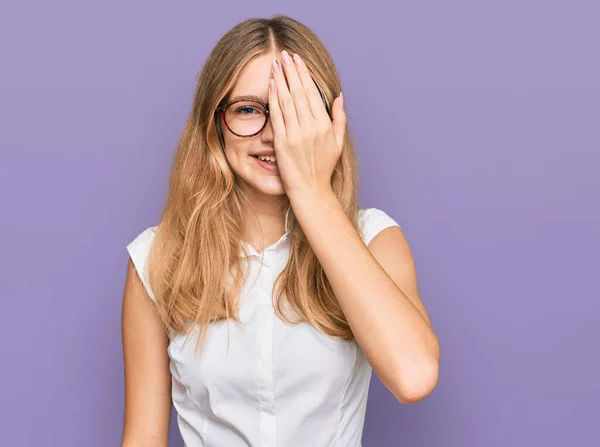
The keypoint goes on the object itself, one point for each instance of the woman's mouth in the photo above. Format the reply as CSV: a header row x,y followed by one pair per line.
x,y
268,162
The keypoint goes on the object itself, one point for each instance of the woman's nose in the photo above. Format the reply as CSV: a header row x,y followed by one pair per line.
x,y
267,133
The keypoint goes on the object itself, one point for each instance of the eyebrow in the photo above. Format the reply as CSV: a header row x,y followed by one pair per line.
x,y
249,97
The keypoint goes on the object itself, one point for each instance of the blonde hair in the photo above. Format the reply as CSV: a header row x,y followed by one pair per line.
x,y
196,271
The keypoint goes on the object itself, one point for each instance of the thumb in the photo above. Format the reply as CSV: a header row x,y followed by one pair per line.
x,y
338,117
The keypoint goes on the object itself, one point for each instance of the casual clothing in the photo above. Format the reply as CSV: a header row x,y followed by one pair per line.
x,y
266,382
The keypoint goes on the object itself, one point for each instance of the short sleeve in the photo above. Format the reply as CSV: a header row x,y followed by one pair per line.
x,y
372,221
139,250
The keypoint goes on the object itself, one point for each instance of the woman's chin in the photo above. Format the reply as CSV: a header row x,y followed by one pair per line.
x,y
272,187
273,191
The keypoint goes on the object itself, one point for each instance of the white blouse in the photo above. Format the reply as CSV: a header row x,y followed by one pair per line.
x,y
276,384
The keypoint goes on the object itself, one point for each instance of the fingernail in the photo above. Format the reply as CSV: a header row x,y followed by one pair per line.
x,y
286,57
341,100
298,60
276,67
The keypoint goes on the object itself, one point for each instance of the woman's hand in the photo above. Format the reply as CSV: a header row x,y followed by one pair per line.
x,y
307,143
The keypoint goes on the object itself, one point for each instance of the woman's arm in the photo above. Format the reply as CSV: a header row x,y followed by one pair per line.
x,y
377,289
147,375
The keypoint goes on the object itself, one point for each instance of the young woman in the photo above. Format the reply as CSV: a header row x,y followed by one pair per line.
x,y
292,293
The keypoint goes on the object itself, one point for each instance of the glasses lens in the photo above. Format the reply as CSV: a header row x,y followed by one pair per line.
x,y
246,117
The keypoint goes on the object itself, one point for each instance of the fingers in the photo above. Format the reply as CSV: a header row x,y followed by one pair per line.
x,y
315,101
285,99
275,113
296,89
339,120
296,101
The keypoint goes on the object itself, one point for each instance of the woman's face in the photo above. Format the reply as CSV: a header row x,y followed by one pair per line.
x,y
261,178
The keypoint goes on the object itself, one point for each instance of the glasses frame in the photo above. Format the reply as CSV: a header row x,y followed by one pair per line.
x,y
222,110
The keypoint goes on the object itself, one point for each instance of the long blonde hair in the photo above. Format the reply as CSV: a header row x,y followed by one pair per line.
x,y
196,271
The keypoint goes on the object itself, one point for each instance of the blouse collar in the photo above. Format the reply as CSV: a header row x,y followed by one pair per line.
x,y
253,252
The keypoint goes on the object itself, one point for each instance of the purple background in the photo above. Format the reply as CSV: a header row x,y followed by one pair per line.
x,y
478,131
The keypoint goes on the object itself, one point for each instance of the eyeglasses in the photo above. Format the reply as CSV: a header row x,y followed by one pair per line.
x,y
247,118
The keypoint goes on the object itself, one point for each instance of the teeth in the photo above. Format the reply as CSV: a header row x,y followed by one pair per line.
x,y
270,158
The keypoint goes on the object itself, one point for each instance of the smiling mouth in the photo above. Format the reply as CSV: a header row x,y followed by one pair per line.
x,y
270,160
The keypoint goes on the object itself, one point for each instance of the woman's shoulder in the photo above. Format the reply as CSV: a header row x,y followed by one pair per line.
x,y
139,249
372,221
144,235
142,241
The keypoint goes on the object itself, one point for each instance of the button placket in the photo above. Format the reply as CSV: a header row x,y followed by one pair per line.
x,y
265,283
265,356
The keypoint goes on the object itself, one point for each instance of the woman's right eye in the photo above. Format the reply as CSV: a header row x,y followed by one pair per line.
x,y
247,110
